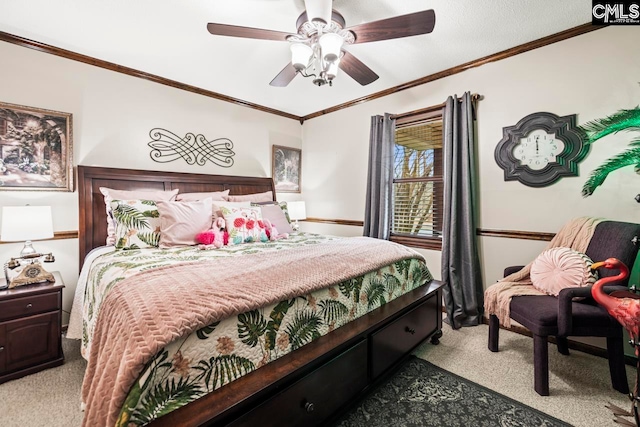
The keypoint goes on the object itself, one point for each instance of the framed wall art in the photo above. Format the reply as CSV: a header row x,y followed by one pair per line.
x,y
286,169
35,149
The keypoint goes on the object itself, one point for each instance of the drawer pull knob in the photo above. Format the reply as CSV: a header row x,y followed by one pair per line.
x,y
308,406
29,305
410,330
1,349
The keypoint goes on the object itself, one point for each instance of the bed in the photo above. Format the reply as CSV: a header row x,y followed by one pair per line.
x,y
309,384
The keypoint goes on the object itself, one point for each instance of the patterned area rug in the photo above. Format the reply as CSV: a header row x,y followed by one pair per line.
x,y
421,394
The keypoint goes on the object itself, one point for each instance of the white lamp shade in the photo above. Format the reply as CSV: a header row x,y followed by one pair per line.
x,y
20,223
297,210
318,10
332,69
331,43
300,55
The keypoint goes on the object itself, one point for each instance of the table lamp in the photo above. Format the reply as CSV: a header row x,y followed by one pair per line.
x,y
297,211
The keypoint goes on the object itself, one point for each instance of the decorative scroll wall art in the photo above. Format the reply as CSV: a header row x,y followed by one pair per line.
x,y
166,147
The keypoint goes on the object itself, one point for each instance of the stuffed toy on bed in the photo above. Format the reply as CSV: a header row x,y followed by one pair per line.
x,y
272,231
214,238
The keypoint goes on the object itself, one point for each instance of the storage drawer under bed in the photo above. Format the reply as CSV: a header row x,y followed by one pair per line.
x,y
396,339
315,397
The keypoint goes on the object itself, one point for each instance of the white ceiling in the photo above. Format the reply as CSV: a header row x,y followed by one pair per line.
x,y
169,38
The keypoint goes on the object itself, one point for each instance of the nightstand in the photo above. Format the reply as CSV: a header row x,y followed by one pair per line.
x,y
30,328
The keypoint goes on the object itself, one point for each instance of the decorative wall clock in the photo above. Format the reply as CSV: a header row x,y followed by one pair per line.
x,y
540,149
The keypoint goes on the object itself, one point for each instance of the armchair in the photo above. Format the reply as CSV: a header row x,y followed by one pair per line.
x,y
563,316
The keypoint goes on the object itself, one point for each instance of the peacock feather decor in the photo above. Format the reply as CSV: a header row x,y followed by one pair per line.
x,y
623,120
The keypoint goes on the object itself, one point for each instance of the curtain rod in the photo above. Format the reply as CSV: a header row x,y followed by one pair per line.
x,y
474,97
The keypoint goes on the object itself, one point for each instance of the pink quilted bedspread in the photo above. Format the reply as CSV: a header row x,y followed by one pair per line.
x,y
145,312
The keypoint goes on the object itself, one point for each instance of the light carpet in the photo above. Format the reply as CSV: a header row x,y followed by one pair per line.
x,y
579,383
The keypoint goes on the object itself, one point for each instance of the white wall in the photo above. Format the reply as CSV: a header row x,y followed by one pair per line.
x,y
112,116
592,75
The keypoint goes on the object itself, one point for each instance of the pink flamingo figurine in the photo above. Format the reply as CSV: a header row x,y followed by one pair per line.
x,y
624,306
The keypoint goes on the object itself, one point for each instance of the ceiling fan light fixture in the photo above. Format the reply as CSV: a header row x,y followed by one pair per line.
x,y
330,45
332,70
316,47
300,55
318,11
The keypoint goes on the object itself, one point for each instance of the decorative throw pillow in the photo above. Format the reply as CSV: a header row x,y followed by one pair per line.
x,y
267,196
137,224
180,222
559,268
283,206
193,197
111,194
218,205
277,218
244,225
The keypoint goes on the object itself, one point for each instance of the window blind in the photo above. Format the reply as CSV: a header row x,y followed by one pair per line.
x,y
417,180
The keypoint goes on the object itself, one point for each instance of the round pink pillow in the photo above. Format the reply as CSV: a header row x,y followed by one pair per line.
x,y
559,268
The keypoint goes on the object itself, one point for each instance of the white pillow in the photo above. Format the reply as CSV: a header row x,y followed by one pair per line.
x,y
559,268
137,224
244,225
219,205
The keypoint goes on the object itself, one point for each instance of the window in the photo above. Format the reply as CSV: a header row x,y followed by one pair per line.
x,y
417,181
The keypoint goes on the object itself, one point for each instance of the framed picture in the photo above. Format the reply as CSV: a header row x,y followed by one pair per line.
x,y
35,149
286,164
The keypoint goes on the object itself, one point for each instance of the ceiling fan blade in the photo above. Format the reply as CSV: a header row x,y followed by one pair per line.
x,y
356,69
246,32
284,77
412,24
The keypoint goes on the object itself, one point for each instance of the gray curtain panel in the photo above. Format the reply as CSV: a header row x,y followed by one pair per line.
x,y
463,291
379,203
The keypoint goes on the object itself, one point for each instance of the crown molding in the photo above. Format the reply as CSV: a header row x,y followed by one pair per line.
x,y
563,35
64,53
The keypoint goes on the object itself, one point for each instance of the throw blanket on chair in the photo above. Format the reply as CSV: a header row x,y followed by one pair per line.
x,y
576,234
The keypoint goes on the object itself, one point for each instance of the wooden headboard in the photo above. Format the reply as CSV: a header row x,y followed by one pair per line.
x,y
93,216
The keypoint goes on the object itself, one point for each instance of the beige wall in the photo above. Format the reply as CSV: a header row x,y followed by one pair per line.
x,y
592,75
112,116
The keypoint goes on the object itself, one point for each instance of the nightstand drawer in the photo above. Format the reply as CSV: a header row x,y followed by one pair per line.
x,y
28,305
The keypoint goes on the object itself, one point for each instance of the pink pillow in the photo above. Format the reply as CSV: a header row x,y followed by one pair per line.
x,y
192,197
111,194
267,196
180,222
276,216
559,268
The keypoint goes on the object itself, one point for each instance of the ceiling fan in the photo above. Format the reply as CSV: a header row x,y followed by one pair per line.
x,y
317,49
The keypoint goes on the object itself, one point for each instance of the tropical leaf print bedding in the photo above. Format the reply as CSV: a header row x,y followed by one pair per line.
x,y
219,353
